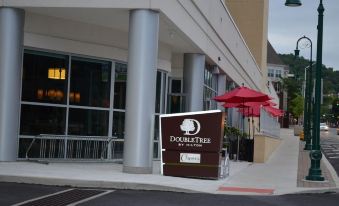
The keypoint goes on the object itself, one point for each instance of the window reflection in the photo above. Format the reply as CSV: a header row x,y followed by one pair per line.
x,y
120,85
158,93
90,82
119,124
36,120
210,89
88,122
38,82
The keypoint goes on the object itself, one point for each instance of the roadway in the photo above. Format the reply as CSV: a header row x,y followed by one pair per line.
x,y
21,194
329,141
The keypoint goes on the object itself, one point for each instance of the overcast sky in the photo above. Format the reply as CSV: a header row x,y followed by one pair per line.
x,y
287,24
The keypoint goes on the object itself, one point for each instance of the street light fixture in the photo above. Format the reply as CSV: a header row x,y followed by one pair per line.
x,y
293,3
314,173
308,96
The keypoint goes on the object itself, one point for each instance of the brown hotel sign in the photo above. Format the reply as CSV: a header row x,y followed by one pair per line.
x,y
191,144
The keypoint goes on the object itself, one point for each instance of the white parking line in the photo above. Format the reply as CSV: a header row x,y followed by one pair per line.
x,y
91,198
63,191
41,197
335,157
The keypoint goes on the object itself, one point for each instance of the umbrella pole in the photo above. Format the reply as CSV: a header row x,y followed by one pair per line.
x,y
249,123
253,128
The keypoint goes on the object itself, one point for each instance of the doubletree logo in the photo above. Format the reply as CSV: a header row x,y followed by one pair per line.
x,y
190,125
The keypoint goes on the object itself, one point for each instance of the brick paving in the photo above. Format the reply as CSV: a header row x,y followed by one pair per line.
x,y
303,167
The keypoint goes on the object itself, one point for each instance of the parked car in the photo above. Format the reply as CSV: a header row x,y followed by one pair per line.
x,y
323,127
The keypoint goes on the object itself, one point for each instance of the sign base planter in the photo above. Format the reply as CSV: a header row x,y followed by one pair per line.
x,y
191,144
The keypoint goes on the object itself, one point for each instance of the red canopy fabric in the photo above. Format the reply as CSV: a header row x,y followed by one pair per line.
x,y
241,95
233,105
274,111
250,112
258,104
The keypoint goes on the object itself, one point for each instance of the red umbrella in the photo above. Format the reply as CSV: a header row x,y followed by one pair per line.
x,y
253,112
241,95
232,105
274,111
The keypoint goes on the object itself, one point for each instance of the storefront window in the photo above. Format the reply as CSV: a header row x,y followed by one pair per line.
x,y
88,122
44,77
52,106
37,120
90,82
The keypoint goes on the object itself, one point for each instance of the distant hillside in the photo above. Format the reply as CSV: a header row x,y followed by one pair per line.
x,y
297,66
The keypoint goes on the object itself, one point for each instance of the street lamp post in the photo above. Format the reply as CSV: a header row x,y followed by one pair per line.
x,y
308,97
314,173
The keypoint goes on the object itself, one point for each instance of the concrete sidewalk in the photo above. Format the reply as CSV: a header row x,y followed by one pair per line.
x,y
278,176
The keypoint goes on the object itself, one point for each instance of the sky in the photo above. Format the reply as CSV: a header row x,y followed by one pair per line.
x,y
287,24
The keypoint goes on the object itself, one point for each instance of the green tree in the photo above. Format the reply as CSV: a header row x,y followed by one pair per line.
x,y
293,85
297,106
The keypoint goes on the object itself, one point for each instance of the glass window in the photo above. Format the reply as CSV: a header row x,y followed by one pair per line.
x,y
270,72
36,120
90,82
278,73
118,124
44,77
156,127
158,93
88,122
210,90
175,97
120,86
176,86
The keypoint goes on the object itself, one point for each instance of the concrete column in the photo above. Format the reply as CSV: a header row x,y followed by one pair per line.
x,y
141,84
11,45
194,65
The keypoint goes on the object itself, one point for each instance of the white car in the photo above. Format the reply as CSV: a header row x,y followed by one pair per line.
x,y
323,127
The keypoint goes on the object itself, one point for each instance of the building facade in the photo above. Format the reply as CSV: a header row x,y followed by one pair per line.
x,y
82,74
276,71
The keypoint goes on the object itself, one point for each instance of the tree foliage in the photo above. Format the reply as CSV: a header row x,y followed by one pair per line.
x,y
297,106
297,66
293,85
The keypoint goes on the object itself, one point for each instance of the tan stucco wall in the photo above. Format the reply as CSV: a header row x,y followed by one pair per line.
x,y
263,147
251,17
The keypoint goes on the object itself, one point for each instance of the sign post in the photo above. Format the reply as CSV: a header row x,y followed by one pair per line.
x,y
191,144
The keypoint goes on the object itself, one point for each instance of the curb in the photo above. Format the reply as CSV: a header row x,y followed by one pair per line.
x,y
92,184
332,171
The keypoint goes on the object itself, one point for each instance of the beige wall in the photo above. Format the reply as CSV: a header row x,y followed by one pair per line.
x,y
251,17
263,147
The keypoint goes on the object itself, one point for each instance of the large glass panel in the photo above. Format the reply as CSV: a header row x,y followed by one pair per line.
x,y
210,90
156,127
175,97
164,91
119,124
36,120
44,77
120,86
90,82
156,150
158,93
176,86
88,122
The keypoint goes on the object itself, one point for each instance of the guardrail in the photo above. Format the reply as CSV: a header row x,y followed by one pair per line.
x,y
269,125
48,146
